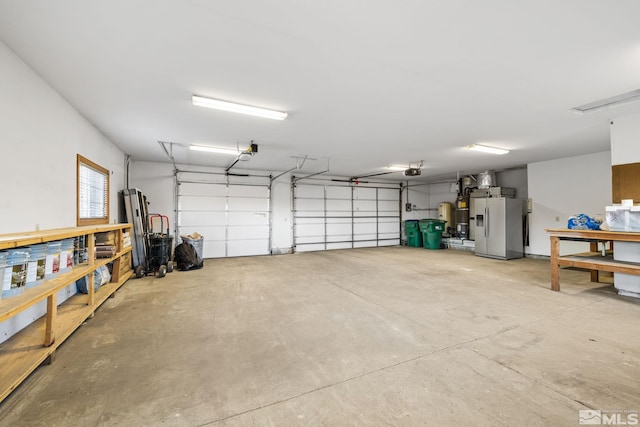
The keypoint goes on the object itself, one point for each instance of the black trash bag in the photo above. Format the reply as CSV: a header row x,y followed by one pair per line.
x,y
186,257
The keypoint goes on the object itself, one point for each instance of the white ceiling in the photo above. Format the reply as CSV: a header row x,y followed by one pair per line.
x,y
366,83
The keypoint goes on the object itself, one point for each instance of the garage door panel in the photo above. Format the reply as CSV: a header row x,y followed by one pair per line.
x,y
388,206
388,194
209,232
388,236
306,240
310,247
338,220
247,204
339,238
389,220
213,249
302,221
303,230
231,217
365,206
365,244
248,218
348,217
387,227
202,189
364,193
366,238
342,229
338,215
341,245
365,228
248,191
314,191
306,214
343,193
338,205
312,205
201,218
394,242
247,247
366,220
198,203
248,232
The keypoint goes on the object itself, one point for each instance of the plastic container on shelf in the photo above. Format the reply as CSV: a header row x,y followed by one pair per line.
x,y
36,265
52,266
66,255
15,274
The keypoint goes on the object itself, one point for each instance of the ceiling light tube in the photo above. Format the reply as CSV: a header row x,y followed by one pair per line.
x,y
237,108
397,167
607,103
487,149
219,150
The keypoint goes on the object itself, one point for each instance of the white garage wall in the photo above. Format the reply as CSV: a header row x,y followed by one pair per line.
x,y
624,140
40,136
156,181
426,199
564,187
517,179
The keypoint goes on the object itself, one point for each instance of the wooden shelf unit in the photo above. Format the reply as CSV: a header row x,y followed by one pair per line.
x,y
21,354
593,260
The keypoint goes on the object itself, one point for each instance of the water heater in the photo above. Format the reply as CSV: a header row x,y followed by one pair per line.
x,y
445,213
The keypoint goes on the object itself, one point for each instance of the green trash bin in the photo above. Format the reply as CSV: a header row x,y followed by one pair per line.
x,y
414,238
432,232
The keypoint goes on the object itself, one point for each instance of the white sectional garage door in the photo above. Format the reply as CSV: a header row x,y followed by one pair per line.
x,y
233,214
329,216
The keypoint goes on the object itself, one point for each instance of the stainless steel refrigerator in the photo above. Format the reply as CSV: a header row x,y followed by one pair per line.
x,y
498,227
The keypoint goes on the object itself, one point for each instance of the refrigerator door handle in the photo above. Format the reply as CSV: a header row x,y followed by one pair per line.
x,y
486,222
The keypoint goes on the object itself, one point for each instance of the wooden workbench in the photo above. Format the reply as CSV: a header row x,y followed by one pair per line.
x,y
593,260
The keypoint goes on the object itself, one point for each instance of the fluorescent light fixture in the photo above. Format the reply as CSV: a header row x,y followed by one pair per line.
x,y
397,167
487,149
219,150
216,104
607,103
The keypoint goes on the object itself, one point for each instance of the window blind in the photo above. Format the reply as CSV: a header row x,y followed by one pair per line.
x,y
93,193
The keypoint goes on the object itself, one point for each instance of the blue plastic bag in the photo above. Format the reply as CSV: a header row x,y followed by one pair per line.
x,y
583,222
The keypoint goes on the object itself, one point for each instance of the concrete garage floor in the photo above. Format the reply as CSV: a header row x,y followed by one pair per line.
x,y
382,336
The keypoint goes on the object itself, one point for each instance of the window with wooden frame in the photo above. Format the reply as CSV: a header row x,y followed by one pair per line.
x,y
92,193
